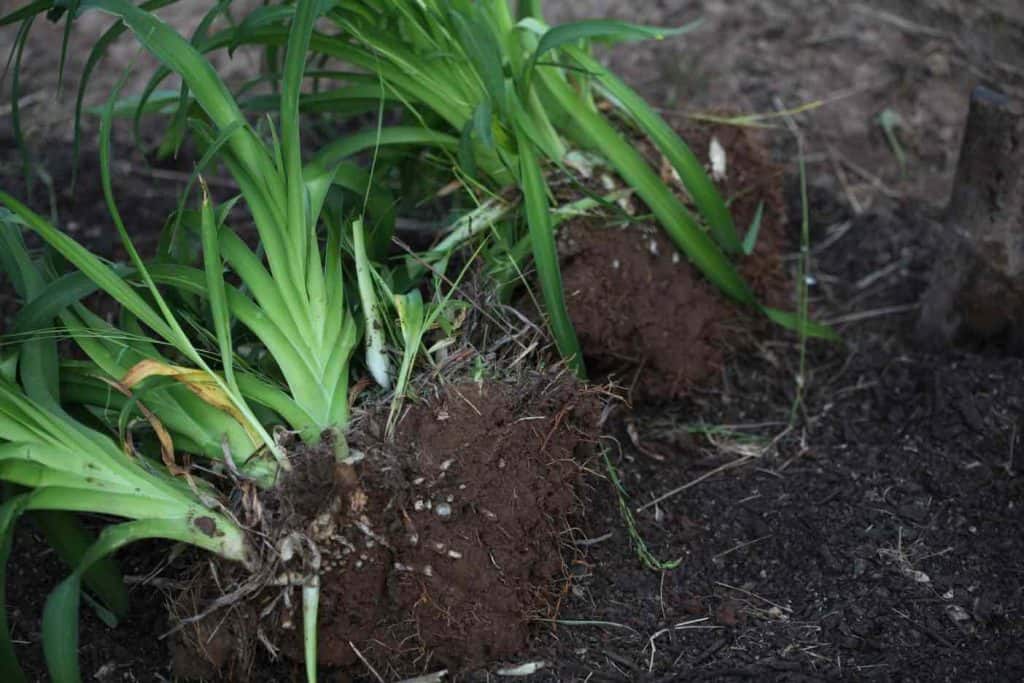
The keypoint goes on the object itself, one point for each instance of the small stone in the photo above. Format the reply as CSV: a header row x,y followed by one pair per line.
x,y
716,153
938,64
957,613
443,510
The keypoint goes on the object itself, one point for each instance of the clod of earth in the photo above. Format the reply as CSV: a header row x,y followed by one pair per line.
x,y
437,549
646,317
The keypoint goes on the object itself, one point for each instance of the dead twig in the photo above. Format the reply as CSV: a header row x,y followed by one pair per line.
x,y
365,662
707,475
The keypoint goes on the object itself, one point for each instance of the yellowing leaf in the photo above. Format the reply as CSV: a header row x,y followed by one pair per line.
x,y
162,435
198,382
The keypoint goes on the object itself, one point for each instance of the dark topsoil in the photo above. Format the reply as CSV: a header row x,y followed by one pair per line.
x,y
880,538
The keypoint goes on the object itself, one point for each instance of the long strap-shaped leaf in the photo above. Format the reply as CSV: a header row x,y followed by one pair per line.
x,y
704,193
179,55
301,226
545,254
671,213
60,615
10,510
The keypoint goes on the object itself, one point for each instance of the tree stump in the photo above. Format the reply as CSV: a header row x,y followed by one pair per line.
x,y
976,291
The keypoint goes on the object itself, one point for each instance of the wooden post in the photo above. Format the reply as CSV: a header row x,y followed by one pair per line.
x,y
977,288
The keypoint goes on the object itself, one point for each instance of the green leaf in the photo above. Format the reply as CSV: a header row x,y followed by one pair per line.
x,y
545,254
377,360
19,46
60,615
598,29
670,212
339,150
171,238
9,512
691,171
303,235
467,160
483,48
180,56
310,605
750,241
530,9
217,294
380,205
791,321
65,39
482,125
95,269
29,10
70,540
412,321
260,17
8,364
161,101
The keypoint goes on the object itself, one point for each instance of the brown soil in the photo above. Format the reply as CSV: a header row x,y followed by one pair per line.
x,y
646,318
438,548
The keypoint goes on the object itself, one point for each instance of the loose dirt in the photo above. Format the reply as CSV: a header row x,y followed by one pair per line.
x,y
645,317
875,542
439,549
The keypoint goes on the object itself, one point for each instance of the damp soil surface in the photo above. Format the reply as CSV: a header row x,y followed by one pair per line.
x,y
878,539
